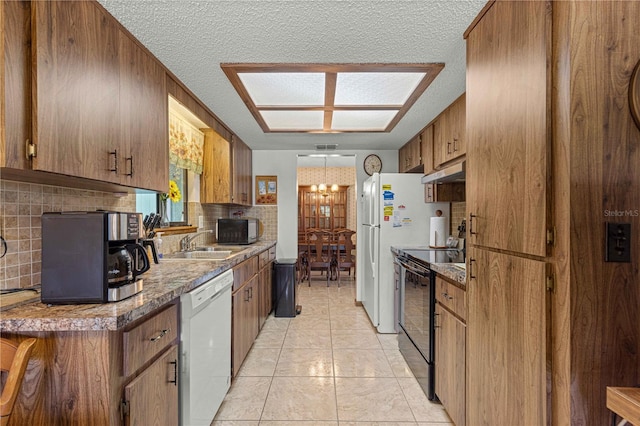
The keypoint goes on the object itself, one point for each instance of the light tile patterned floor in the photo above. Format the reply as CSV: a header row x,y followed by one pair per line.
x,y
327,366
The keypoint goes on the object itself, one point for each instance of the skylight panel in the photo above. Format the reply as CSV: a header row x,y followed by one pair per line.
x,y
280,89
363,120
294,120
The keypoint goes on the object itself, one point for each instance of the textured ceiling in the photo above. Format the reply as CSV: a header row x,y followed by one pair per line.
x,y
192,38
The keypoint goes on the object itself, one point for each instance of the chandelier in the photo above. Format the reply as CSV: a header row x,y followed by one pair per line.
x,y
322,188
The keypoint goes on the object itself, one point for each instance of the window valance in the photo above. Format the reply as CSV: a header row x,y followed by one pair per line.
x,y
186,144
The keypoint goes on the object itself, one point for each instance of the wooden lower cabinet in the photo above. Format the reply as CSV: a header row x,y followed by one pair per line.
x,y
451,338
451,344
266,259
79,377
506,340
245,302
151,397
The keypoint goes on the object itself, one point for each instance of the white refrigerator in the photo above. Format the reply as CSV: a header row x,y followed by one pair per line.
x,y
394,214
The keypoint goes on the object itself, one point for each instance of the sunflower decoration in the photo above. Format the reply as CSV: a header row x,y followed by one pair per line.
x,y
174,193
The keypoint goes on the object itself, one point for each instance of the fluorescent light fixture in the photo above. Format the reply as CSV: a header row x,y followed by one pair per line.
x,y
330,98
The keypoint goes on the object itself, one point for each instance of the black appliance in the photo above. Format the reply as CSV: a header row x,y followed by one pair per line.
x,y
416,311
237,231
91,257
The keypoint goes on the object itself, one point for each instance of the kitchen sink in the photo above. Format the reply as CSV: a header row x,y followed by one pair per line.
x,y
204,255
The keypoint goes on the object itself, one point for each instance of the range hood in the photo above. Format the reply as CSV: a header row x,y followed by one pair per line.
x,y
455,173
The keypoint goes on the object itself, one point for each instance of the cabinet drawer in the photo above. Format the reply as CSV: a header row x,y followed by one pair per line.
x,y
452,297
146,340
263,259
244,271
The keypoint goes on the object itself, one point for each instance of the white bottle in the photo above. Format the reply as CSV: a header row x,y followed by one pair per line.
x,y
158,242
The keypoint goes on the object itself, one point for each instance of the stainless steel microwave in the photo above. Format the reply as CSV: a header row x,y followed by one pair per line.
x,y
237,231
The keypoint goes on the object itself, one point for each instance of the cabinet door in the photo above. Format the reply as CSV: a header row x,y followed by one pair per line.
x,y
457,124
15,109
403,159
215,182
427,150
415,152
241,173
143,109
506,341
507,123
240,304
76,86
266,293
440,138
153,395
450,364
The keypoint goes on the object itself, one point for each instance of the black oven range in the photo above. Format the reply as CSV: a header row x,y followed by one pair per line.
x,y
415,298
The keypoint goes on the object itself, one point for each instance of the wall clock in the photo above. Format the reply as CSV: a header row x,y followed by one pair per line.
x,y
634,94
372,164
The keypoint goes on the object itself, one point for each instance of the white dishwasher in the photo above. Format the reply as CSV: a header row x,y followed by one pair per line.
x,y
205,348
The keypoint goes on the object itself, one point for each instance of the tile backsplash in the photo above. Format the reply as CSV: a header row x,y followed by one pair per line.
x,y
458,212
22,205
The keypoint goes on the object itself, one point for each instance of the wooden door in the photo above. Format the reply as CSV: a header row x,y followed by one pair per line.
x,y
153,395
403,158
76,90
507,128
415,152
215,182
506,341
143,110
450,364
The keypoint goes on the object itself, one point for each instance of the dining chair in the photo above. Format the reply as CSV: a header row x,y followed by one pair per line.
x,y
319,255
13,361
345,258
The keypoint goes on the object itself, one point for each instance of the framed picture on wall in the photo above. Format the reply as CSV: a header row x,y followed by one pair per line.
x,y
266,190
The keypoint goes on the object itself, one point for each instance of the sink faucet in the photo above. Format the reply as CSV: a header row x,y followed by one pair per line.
x,y
185,242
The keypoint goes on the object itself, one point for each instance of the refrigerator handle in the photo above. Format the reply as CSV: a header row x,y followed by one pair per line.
x,y
372,246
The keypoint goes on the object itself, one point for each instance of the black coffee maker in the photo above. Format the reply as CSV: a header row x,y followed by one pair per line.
x,y
91,257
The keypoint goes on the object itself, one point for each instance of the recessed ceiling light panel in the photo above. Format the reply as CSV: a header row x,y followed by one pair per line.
x,y
293,120
376,88
287,88
326,98
362,120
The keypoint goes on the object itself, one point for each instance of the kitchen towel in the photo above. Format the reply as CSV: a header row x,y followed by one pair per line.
x,y
438,231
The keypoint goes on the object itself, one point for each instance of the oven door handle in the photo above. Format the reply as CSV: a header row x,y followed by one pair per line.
x,y
423,272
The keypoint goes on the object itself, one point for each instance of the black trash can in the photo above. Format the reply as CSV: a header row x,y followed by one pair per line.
x,y
285,300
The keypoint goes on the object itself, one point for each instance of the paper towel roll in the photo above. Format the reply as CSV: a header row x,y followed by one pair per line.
x,y
438,232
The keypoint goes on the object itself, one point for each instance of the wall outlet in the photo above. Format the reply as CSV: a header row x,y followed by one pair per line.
x,y
200,221
618,244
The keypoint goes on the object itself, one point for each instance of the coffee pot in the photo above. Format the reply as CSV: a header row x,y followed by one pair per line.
x,y
125,263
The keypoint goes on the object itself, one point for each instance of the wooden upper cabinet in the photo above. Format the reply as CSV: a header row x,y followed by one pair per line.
x,y
449,135
76,111
507,128
242,172
143,121
410,155
99,106
427,150
15,109
215,181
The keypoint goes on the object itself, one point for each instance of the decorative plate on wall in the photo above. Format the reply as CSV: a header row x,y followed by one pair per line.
x,y
634,94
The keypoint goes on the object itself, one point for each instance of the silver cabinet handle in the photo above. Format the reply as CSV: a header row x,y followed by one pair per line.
x,y
161,335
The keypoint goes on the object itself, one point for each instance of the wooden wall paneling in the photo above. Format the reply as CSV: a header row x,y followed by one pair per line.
x,y
15,113
605,157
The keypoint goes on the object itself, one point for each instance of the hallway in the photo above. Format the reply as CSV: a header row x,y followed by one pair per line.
x,y
327,366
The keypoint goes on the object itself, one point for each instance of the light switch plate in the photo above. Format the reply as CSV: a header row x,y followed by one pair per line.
x,y
200,221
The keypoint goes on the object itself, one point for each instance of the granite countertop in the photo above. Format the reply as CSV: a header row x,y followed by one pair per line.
x,y
163,283
446,270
